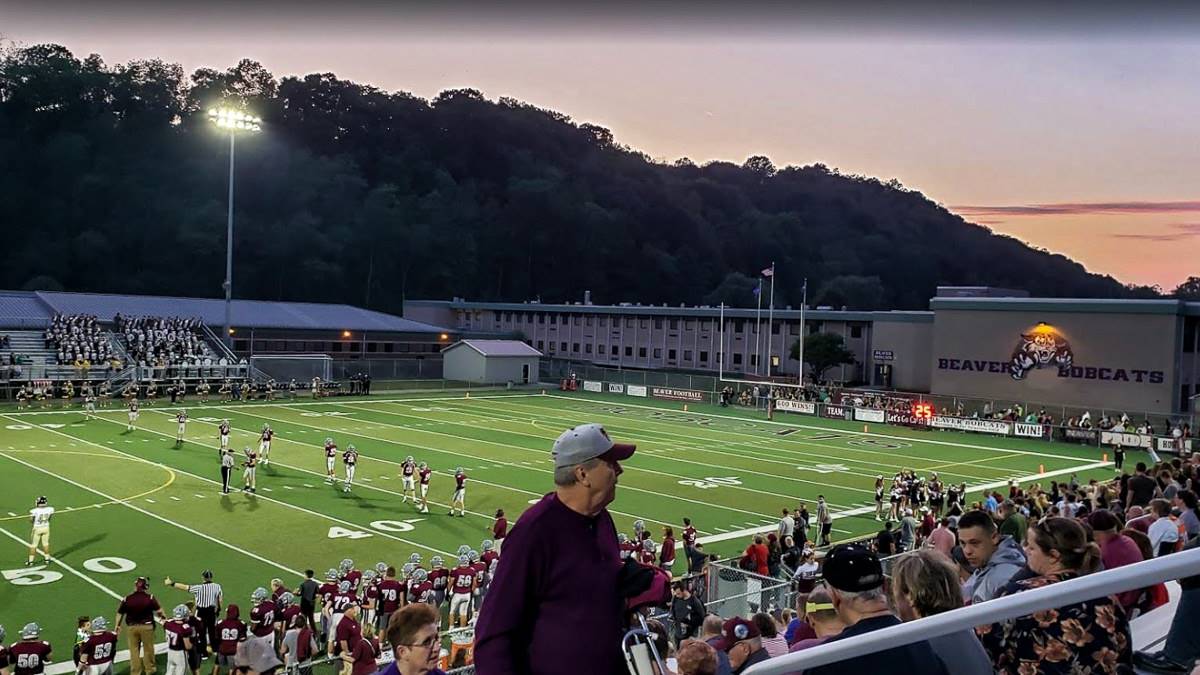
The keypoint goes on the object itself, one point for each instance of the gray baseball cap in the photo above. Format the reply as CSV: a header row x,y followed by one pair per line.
x,y
585,442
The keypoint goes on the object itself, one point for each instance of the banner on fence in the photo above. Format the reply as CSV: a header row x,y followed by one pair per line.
x,y
1031,430
1073,434
592,385
803,407
635,390
677,394
1168,444
907,419
869,415
998,427
1125,440
836,412
616,388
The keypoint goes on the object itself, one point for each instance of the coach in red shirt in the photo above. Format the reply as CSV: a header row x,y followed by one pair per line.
x,y
555,601
499,528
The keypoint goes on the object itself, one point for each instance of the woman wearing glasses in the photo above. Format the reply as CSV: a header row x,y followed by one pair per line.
x,y
412,633
1089,636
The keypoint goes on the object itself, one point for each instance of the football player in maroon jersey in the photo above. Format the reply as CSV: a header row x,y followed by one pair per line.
x,y
460,492
370,597
230,633
438,576
264,443
96,654
249,471
689,535
326,593
31,654
408,471
489,552
424,472
389,598
462,588
331,452
349,573
179,640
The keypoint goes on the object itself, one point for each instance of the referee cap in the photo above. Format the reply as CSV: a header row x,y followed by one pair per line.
x,y
207,575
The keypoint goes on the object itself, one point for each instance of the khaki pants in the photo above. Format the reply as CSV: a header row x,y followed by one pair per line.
x,y
141,638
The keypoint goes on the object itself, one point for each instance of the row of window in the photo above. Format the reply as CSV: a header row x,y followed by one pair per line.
x,y
739,325
642,352
327,347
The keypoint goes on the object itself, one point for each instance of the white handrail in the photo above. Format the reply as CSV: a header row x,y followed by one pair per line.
x,y
1108,582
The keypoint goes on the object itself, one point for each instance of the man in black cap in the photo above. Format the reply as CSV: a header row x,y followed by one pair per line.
x,y
854,577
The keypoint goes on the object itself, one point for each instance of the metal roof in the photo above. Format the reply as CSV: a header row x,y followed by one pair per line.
x,y
687,312
1070,305
245,313
497,347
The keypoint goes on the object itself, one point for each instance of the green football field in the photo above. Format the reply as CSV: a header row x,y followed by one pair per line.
x,y
131,504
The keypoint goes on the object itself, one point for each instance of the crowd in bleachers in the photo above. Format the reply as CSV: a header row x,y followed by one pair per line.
x,y
78,338
162,342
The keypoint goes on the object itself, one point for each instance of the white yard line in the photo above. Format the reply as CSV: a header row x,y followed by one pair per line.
x,y
267,499
155,515
826,429
25,544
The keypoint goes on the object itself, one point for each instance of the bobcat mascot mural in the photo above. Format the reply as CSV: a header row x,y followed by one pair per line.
x,y
1038,348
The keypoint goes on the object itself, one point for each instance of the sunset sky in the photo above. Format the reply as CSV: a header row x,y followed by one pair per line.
x,y
1076,130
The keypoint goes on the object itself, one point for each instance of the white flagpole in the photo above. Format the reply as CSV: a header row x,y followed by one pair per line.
x,y
721,349
770,320
758,328
803,302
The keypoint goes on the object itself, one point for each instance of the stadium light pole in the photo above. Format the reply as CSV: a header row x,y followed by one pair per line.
x,y
234,122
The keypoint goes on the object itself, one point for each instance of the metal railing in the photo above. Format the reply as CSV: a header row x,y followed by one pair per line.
x,y
1079,589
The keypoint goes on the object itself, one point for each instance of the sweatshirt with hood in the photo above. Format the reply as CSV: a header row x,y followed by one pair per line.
x,y
986,582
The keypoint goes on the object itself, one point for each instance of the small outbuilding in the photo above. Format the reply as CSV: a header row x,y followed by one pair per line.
x,y
490,362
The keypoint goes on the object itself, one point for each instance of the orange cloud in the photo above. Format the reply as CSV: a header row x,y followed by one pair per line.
x,y
1080,208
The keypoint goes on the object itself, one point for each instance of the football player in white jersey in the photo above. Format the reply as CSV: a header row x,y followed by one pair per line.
x,y
350,459
133,413
181,419
264,444
39,516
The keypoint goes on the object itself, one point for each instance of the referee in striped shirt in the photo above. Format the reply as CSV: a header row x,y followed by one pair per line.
x,y
208,607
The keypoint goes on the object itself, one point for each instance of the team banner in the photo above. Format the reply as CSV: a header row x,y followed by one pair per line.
x,y
907,419
1073,434
869,415
998,427
677,394
836,412
635,390
803,407
1167,444
616,388
1030,430
1125,440
592,385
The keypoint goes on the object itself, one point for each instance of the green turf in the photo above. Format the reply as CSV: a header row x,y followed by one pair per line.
x,y
134,496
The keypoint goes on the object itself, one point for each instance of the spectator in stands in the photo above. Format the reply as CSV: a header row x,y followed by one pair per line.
x,y
1189,512
925,583
686,611
820,618
412,633
772,641
1116,550
908,531
854,577
1014,524
1163,533
696,658
710,634
994,558
741,640
1142,488
1088,636
885,541
532,623
942,539
754,558
1182,647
